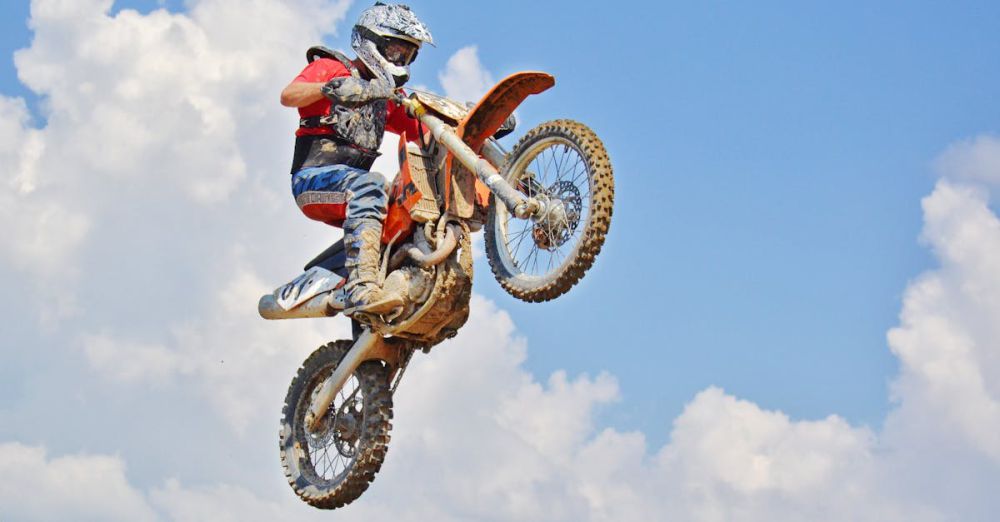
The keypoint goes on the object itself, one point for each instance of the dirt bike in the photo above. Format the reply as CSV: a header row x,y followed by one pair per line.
x,y
545,208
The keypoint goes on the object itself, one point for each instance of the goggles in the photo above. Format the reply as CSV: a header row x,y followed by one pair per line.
x,y
398,52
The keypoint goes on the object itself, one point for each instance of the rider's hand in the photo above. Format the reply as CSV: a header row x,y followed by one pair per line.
x,y
398,96
347,89
409,106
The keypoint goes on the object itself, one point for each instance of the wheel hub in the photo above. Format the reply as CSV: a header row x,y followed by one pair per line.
x,y
561,216
340,428
346,428
322,436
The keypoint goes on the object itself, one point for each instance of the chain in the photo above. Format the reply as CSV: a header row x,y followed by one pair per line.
x,y
402,370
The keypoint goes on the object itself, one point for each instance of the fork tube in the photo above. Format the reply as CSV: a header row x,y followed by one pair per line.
x,y
359,351
493,153
515,201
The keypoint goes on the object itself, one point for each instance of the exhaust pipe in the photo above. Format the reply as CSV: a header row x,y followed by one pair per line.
x,y
322,305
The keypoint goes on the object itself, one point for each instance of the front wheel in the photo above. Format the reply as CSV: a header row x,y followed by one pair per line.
x,y
333,465
564,165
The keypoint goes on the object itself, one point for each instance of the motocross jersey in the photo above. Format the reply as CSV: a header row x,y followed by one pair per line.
x,y
334,133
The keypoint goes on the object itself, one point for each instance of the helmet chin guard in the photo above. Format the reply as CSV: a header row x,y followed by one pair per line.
x,y
376,63
375,26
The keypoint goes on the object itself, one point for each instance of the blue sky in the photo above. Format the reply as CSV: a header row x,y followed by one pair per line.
x,y
770,163
770,160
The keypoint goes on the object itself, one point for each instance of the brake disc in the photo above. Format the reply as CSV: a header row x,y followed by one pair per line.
x,y
549,233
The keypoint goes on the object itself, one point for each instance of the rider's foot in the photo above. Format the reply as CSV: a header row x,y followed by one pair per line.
x,y
371,300
362,239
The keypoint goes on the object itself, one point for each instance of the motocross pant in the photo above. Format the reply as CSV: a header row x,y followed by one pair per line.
x,y
335,193
354,199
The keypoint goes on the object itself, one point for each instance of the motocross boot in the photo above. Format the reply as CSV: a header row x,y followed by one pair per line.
x,y
363,293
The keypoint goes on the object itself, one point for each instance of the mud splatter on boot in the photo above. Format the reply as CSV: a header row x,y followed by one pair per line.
x,y
362,244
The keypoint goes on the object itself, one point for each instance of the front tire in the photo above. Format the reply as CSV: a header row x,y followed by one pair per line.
x,y
564,162
333,466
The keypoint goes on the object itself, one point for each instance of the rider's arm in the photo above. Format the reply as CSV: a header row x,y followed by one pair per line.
x,y
301,94
307,88
349,90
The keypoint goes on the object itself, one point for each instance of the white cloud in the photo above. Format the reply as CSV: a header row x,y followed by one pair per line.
x,y
75,487
236,360
165,151
464,78
976,160
130,361
219,503
388,163
37,232
948,342
161,182
142,109
483,439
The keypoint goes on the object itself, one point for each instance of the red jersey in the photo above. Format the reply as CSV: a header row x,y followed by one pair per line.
x,y
325,69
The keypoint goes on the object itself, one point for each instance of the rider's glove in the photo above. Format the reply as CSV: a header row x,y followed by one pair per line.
x,y
349,90
409,107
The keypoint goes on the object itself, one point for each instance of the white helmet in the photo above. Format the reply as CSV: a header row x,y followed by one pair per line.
x,y
387,38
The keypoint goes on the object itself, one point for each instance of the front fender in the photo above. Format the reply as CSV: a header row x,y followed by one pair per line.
x,y
489,114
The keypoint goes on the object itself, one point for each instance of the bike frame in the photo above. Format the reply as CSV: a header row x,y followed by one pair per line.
x,y
463,144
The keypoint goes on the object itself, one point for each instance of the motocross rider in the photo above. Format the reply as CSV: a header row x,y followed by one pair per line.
x,y
345,108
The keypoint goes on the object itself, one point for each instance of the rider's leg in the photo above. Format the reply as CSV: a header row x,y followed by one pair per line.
x,y
357,197
362,244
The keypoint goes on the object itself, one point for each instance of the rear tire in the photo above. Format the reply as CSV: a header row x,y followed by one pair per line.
x,y
582,238
356,430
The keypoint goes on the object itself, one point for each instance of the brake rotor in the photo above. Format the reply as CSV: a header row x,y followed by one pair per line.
x,y
347,428
341,427
551,234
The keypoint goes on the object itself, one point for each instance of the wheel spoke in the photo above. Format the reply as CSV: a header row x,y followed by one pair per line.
x,y
327,464
576,165
515,236
549,163
569,171
524,233
340,455
559,162
334,469
566,164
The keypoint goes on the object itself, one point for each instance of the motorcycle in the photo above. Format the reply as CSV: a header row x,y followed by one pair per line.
x,y
545,208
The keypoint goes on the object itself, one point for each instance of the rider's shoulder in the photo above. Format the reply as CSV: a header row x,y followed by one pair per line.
x,y
318,52
325,64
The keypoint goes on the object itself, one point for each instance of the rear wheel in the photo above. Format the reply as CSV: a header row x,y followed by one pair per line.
x,y
564,165
333,465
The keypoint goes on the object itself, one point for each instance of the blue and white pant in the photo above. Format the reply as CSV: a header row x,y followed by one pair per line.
x,y
335,193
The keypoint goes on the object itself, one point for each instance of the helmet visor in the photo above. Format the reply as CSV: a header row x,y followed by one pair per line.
x,y
398,52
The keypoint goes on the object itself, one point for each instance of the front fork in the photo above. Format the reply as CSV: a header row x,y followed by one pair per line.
x,y
368,346
550,212
515,202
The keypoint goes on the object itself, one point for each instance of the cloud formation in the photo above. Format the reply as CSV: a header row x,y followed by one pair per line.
x,y
150,211
74,487
464,77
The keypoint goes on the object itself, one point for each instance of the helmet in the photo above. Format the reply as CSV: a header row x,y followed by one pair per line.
x,y
387,38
